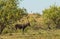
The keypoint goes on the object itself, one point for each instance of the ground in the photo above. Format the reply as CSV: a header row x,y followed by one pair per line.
x,y
39,34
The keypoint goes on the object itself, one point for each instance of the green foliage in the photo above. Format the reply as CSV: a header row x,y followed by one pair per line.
x,y
52,14
10,13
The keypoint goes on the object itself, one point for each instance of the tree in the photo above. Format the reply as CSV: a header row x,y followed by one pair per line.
x,y
10,13
52,13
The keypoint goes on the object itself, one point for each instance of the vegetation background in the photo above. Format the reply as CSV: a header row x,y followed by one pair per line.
x,y
42,26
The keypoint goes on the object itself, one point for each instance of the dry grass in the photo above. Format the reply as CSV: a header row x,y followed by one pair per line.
x,y
41,34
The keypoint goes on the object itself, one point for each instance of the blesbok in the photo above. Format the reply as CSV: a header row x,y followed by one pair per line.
x,y
22,26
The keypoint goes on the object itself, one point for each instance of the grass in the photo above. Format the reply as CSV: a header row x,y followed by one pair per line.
x,y
33,34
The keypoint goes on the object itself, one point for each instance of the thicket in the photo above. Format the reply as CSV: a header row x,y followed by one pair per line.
x,y
11,14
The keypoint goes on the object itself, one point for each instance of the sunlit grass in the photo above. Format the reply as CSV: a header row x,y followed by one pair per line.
x,y
32,34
